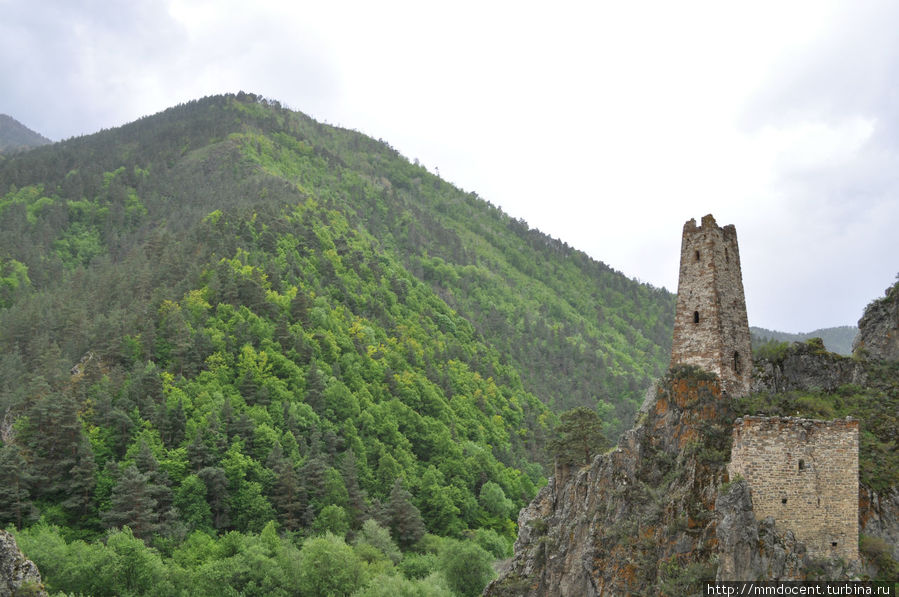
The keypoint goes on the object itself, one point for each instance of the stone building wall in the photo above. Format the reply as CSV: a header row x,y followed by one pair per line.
x,y
711,329
804,474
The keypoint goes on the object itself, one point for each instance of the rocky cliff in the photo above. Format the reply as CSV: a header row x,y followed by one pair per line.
x,y
18,575
806,365
878,329
640,519
650,517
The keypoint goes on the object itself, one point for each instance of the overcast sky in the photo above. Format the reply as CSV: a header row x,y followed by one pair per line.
x,y
604,124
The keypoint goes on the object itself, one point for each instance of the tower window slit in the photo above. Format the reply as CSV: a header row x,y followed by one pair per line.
x,y
695,316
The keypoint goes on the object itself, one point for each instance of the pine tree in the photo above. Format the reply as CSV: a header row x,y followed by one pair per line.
x,y
578,437
131,504
217,494
82,480
287,493
403,518
357,503
15,502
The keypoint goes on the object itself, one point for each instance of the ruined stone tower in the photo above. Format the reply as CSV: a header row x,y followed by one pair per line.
x,y
711,329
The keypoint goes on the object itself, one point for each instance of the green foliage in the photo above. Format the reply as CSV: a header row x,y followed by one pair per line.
x,y
466,567
332,519
772,350
13,279
578,437
494,543
378,537
275,320
690,372
880,553
418,565
684,579
396,586
328,567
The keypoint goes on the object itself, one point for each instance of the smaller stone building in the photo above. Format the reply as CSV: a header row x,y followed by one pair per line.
x,y
804,474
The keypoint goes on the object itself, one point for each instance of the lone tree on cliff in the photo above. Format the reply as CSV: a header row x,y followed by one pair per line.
x,y
578,437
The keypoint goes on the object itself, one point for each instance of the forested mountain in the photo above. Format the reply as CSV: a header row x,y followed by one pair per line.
x,y
15,136
837,339
228,313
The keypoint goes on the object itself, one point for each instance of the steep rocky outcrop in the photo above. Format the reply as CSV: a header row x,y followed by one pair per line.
x,y
752,549
878,516
640,519
647,517
18,575
878,329
806,365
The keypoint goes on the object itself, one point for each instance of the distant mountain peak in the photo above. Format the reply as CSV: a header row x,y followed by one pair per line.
x,y
15,136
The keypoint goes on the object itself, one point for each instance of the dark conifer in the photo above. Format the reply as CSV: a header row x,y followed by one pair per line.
x,y
403,518
131,504
15,501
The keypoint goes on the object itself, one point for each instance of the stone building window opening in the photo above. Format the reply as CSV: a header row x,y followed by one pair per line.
x,y
833,543
801,464
695,316
696,256
783,500
738,366
726,257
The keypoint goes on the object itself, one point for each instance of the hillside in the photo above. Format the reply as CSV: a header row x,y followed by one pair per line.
x,y
838,339
15,136
228,314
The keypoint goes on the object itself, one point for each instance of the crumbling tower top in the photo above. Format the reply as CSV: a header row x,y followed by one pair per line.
x,y
711,329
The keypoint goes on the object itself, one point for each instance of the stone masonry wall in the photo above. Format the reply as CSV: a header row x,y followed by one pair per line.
x,y
711,329
804,474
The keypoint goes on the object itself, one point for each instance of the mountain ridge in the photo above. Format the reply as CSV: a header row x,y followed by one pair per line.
x,y
269,329
15,136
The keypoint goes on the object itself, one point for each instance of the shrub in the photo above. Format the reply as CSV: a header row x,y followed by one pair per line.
x,y
466,567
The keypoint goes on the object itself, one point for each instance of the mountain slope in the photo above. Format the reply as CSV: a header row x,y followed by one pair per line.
x,y
227,314
576,330
16,136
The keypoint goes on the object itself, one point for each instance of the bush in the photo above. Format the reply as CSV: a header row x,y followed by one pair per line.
x,y
332,519
466,567
494,543
772,350
880,553
328,566
378,537
418,565
397,586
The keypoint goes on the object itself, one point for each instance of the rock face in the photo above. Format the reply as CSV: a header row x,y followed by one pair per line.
x,y
647,519
640,519
878,329
878,516
751,549
807,365
18,575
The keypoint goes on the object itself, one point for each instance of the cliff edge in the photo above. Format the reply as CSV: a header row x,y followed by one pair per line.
x,y
641,518
19,576
878,329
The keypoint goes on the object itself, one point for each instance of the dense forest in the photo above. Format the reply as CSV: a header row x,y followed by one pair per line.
x,y
238,345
